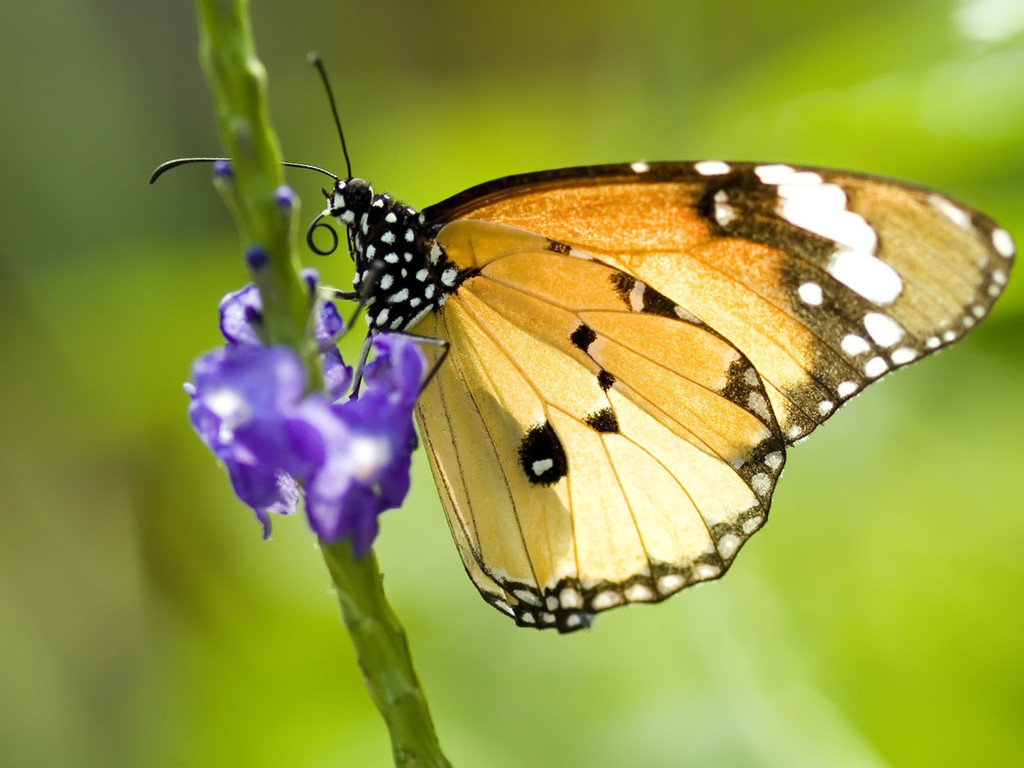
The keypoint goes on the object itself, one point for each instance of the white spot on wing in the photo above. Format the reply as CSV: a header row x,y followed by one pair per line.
x,y
761,483
671,582
882,329
706,571
846,388
751,524
683,314
402,295
757,403
810,294
527,597
903,355
727,545
711,167
866,275
636,296
639,592
604,600
570,598
875,367
777,173
640,167
1002,242
773,460
724,212
854,345
821,208
541,466
951,211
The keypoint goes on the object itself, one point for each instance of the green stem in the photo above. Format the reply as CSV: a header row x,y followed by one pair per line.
x,y
384,657
239,84
238,81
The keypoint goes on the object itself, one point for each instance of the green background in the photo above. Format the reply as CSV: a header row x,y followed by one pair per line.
x,y
877,621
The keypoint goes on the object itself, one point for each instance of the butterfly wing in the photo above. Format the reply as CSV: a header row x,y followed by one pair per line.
x,y
825,280
594,442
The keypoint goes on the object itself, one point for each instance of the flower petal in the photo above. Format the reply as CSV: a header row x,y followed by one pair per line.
x,y
240,312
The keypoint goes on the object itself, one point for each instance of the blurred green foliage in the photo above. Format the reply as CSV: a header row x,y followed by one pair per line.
x,y
877,621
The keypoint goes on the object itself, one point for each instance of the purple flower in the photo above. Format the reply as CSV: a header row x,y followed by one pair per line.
x,y
367,447
240,397
351,456
241,314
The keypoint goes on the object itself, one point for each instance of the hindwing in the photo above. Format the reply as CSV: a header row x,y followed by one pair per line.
x,y
595,442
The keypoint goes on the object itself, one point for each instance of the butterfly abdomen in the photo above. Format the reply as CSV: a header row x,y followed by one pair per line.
x,y
401,273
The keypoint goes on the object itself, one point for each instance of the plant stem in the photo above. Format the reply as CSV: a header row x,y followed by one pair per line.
x,y
238,81
384,657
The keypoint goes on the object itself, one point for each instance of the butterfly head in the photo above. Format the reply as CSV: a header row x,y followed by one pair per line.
x,y
349,201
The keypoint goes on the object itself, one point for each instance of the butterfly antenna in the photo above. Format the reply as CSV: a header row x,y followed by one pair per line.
x,y
164,167
314,59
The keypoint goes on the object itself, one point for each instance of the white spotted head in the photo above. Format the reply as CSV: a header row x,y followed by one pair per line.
x,y
349,201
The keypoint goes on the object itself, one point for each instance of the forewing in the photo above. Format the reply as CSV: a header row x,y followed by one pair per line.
x,y
825,280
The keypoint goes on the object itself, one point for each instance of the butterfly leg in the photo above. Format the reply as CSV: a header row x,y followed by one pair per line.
x,y
357,378
433,342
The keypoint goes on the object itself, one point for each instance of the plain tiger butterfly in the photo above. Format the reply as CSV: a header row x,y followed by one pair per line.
x,y
626,352
631,349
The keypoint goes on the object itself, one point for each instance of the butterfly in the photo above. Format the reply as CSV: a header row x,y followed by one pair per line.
x,y
626,352
621,354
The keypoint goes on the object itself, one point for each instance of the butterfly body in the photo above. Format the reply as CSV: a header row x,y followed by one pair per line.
x,y
402,272
632,347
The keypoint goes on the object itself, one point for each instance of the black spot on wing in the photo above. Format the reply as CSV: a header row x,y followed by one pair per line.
x,y
557,247
603,421
623,285
741,379
542,456
658,304
583,337
605,380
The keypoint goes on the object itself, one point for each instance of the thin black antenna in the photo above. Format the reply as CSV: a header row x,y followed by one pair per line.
x,y
314,59
164,167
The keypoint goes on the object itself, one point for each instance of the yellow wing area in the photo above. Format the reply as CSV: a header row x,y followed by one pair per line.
x,y
595,444
825,280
